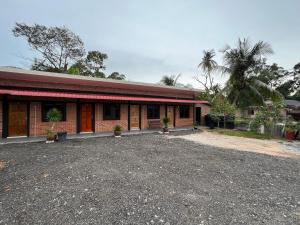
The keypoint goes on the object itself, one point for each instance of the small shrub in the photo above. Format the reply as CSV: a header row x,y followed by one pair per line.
x,y
117,128
166,121
291,126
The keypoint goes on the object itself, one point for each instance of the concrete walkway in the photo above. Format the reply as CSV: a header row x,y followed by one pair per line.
x,y
21,140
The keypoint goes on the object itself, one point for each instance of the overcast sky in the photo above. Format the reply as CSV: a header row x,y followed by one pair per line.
x,y
146,39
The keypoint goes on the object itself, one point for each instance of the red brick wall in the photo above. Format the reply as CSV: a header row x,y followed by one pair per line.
x,y
184,122
38,128
1,119
107,125
145,124
179,121
144,117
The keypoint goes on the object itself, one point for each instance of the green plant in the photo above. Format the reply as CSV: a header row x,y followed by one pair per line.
x,y
291,125
221,107
53,115
117,128
166,121
267,116
49,134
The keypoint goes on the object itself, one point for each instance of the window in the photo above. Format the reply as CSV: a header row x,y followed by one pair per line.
x,y
47,106
251,112
184,111
153,112
111,111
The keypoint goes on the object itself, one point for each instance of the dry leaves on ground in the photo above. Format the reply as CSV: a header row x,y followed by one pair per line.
x,y
2,165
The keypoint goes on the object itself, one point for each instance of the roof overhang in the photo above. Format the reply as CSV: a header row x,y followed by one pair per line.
x,y
98,97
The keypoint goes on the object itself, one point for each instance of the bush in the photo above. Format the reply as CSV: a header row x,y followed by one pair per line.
x,y
242,123
117,128
291,126
166,121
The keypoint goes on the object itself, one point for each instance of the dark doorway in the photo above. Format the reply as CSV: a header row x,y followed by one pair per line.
x,y
198,116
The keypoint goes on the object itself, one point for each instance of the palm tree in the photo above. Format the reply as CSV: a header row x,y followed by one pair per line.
x,y
243,89
207,65
170,80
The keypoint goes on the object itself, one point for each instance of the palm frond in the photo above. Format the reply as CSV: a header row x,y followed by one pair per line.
x,y
267,91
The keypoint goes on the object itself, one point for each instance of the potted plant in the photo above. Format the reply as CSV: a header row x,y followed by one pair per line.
x,y
62,135
290,130
195,127
117,131
50,137
53,115
166,121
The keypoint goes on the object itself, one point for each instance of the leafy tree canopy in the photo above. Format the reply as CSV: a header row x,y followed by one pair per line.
x,y
117,76
58,47
62,51
243,88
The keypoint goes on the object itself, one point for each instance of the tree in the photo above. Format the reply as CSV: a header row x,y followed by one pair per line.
x,y
243,88
117,76
58,47
94,62
91,66
272,75
170,80
208,65
221,108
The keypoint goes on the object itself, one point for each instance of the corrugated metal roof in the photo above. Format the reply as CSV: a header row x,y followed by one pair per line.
x,y
86,78
96,96
292,103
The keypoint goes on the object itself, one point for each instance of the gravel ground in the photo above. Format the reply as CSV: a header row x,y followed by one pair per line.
x,y
145,179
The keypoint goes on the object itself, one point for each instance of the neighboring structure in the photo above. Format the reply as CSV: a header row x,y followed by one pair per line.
x,y
90,104
292,108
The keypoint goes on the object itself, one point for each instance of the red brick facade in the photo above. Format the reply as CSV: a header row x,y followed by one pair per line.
x,y
107,125
34,87
1,116
184,122
38,128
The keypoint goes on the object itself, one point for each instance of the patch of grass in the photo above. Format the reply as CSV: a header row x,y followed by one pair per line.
x,y
246,134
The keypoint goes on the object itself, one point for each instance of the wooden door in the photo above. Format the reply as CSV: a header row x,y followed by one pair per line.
x,y
17,119
171,115
86,118
134,117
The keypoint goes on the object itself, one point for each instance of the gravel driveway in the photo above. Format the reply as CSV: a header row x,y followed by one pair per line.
x,y
145,179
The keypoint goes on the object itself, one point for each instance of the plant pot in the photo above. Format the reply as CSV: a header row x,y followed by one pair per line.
x,y
166,130
117,133
61,136
50,139
290,135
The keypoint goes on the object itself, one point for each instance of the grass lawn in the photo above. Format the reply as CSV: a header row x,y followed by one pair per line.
x,y
238,133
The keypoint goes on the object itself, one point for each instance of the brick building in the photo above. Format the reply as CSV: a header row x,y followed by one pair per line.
x,y
90,104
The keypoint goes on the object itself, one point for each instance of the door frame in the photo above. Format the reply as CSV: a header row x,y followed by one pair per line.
x,y
78,113
129,114
5,117
196,115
